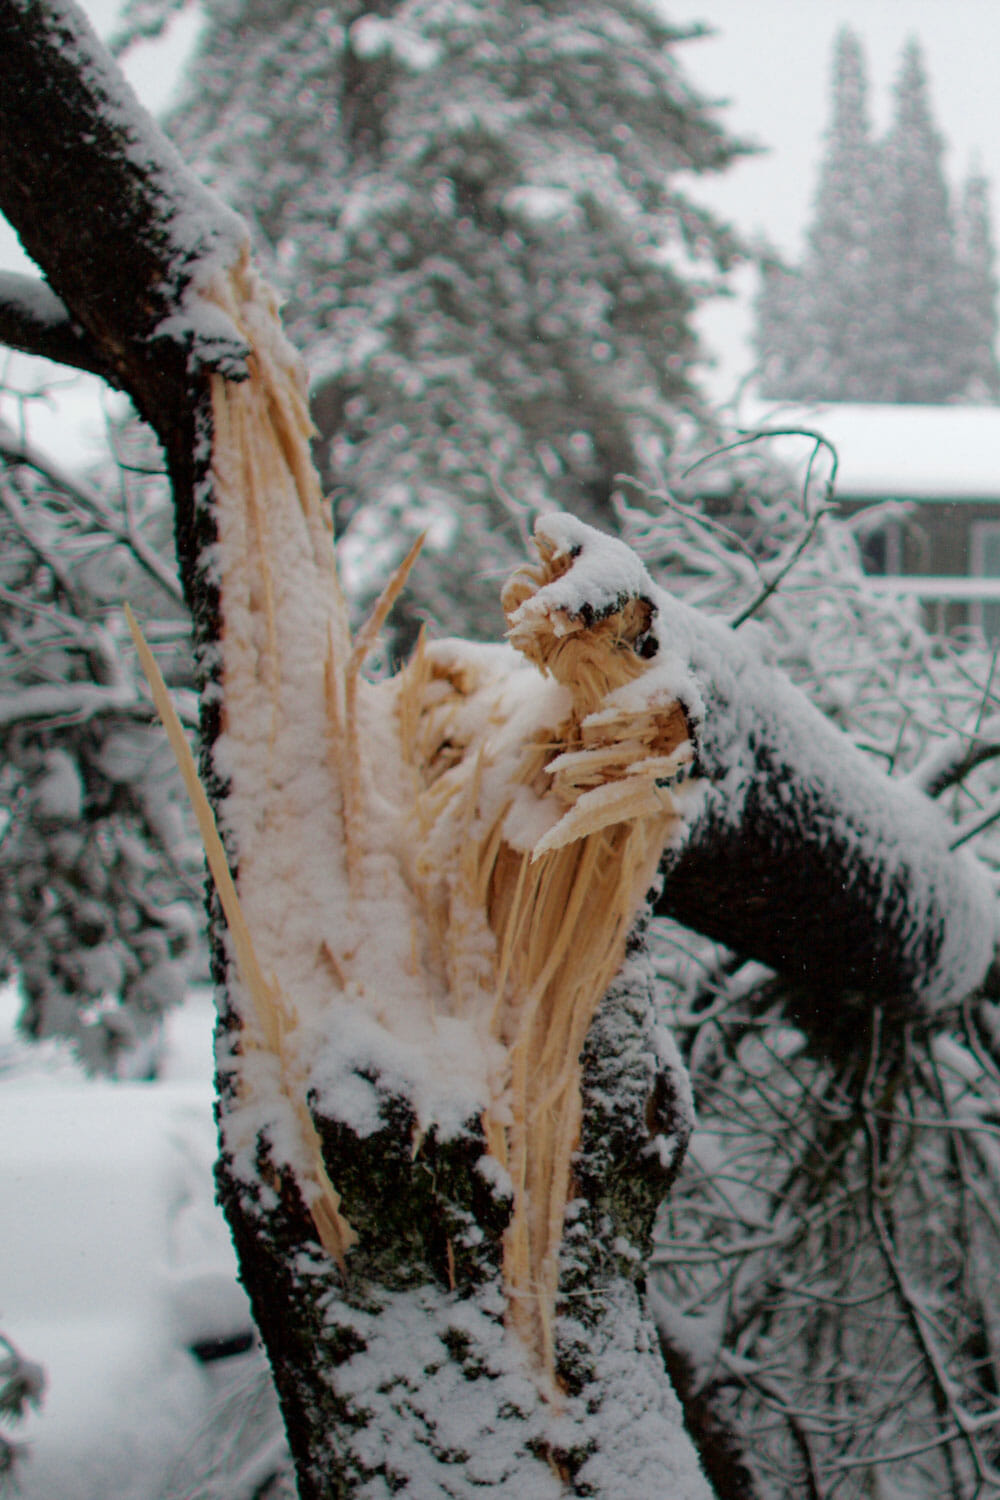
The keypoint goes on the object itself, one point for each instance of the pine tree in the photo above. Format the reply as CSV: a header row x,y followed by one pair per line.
x,y
883,308
474,214
923,351
977,261
814,327
779,321
839,255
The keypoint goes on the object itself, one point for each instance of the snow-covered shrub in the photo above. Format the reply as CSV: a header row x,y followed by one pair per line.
x,y
828,1263
100,914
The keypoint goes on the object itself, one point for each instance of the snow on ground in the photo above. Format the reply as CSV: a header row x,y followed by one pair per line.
x,y
114,1261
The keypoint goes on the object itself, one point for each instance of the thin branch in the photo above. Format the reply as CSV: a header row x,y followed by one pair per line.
x,y
824,509
75,702
68,702
942,1387
45,555
772,1396
699,519
951,760
19,453
976,825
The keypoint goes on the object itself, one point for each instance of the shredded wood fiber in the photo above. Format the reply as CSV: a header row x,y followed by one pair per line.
x,y
273,1014
521,938
561,912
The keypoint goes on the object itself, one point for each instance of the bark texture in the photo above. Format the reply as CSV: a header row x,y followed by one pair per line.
x,y
36,321
807,857
393,1355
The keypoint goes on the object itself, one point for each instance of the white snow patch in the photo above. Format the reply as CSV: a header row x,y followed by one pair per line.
x,y
541,204
604,571
374,36
901,452
115,1260
640,1446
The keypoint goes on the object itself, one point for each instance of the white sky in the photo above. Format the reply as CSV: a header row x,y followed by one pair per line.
x,y
771,60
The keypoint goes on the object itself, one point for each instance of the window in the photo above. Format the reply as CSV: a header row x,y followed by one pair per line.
x,y
985,558
881,549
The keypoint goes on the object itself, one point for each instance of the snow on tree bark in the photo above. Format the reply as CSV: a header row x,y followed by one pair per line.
x,y
413,1023
433,1016
800,840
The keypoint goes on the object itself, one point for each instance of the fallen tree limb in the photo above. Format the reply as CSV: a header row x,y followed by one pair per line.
x,y
807,857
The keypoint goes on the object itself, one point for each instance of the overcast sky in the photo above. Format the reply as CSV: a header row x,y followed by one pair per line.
x,y
771,60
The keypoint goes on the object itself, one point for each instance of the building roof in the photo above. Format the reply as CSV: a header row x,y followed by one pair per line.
x,y
894,452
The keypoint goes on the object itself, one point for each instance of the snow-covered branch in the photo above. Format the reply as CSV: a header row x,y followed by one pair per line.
x,y
36,321
20,453
803,839
953,758
74,702
132,276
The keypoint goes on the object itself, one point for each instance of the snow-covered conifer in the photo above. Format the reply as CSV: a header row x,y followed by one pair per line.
x,y
919,335
99,877
977,270
477,218
883,307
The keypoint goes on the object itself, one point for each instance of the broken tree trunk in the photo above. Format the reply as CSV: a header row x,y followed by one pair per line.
x,y
446,1111
438,876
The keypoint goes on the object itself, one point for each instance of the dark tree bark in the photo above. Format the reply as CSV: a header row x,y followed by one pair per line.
x,y
36,321
808,858
416,1345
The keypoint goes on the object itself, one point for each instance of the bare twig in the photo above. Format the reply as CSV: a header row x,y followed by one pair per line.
x,y
19,452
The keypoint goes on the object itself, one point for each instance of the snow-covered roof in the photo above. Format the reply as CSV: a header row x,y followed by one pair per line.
x,y
896,452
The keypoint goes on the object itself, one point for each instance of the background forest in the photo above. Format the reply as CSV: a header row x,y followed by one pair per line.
x,y
483,224
896,297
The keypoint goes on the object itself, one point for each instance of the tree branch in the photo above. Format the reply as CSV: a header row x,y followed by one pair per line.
x,y
70,701
17,453
35,321
133,276
801,840
953,759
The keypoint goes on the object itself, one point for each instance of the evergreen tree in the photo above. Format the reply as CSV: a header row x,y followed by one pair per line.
x,y
814,328
921,342
779,321
840,249
99,884
474,214
884,306
977,259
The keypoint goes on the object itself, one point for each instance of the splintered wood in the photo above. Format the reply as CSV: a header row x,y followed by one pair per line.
x,y
264,485
560,911
486,823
